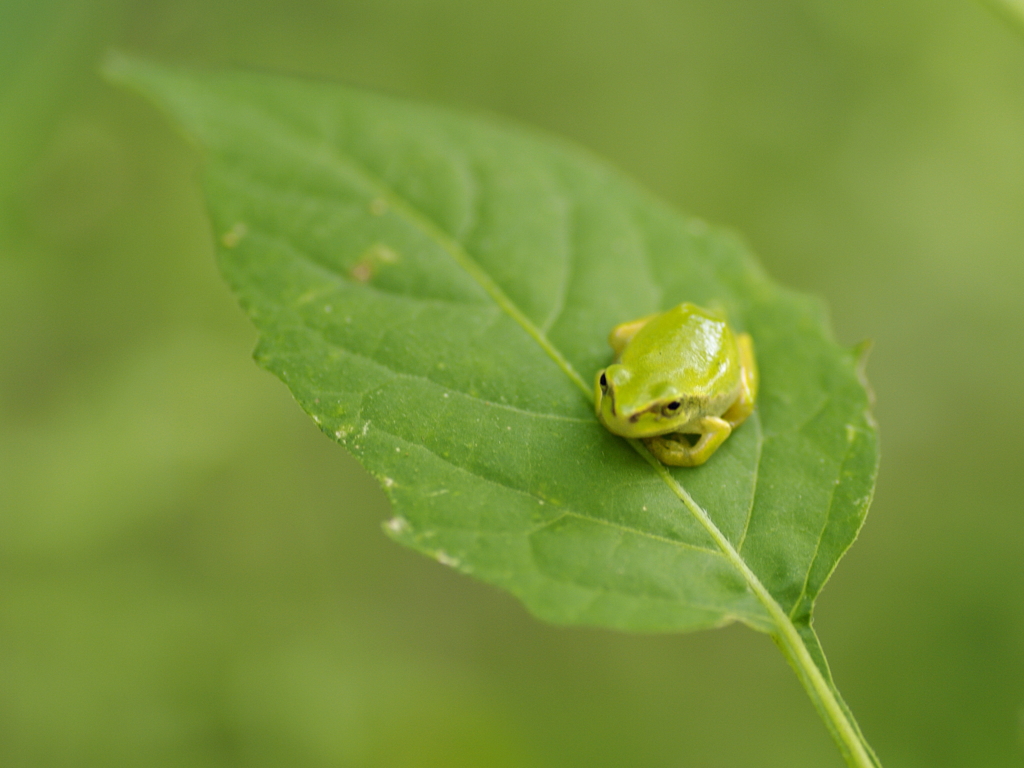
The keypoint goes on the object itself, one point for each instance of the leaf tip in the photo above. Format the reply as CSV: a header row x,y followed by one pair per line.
x,y
167,88
861,350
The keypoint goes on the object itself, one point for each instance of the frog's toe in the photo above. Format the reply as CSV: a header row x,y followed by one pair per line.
x,y
676,451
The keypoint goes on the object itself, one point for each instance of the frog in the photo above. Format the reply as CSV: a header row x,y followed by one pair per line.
x,y
678,373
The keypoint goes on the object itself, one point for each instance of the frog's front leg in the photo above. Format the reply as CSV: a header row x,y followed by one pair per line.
x,y
676,451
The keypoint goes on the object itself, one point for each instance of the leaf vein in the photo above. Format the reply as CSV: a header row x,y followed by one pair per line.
x,y
753,488
821,533
455,249
627,529
649,271
420,377
467,471
568,267
336,276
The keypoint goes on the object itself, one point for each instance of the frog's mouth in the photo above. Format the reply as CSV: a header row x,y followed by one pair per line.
x,y
648,422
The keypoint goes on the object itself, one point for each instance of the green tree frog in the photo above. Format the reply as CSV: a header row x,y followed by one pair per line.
x,y
678,373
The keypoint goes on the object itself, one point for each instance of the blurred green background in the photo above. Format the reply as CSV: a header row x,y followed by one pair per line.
x,y
190,574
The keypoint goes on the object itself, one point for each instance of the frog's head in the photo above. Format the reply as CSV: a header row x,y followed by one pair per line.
x,y
638,406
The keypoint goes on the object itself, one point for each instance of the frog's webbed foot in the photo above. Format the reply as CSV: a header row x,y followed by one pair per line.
x,y
675,450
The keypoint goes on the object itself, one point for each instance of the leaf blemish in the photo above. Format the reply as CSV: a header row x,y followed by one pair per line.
x,y
234,236
397,524
445,559
372,259
362,271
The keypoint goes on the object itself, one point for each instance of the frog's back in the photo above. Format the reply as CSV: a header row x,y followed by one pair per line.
x,y
690,346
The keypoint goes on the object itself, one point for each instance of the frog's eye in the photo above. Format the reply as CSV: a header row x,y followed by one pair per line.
x,y
604,382
672,407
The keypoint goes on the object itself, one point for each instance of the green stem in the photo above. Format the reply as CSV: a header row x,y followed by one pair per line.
x,y
844,731
842,727
1011,11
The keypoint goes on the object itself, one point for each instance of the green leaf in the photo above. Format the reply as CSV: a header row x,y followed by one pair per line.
x,y
436,290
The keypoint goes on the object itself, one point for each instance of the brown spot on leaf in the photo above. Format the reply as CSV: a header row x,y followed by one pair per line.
x,y
234,236
362,271
370,262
